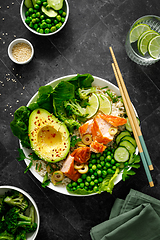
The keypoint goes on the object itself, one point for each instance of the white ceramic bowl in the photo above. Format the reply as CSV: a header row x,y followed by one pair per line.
x,y
23,10
13,43
4,189
97,82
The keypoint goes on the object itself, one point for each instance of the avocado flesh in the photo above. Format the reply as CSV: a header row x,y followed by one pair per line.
x,y
48,136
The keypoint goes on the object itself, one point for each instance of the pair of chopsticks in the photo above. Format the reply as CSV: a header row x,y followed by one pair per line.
x,y
133,120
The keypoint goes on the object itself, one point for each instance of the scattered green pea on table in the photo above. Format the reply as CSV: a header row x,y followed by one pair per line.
x,y
42,18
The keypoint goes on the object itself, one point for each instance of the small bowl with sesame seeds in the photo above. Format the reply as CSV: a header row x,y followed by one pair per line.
x,y
20,51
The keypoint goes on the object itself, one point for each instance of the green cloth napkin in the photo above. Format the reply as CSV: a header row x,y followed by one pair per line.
x,y
138,216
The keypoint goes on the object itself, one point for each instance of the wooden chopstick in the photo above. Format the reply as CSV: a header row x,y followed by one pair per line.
x,y
132,119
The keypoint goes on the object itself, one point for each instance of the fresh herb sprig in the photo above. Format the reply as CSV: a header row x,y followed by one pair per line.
x,y
128,171
32,157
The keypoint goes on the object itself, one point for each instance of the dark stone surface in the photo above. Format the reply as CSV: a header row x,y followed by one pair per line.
x,y
81,47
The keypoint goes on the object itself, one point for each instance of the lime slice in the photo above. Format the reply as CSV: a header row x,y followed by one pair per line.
x,y
141,36
105,104
143,45
137,31
154,47
93,106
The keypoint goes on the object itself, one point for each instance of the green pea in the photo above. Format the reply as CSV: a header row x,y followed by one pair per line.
x,y
38,14
88,178
108,158
118,164
79,180
64,14
92,183
107,164
99,166
30,10
92,177
100,179
86,184
81,185
74,184
42,17
58,17
27,20
35,26
33,20
95,189
96,181
48,20
95,174
41,30
98,155
91,170
38,2
104,173
102,163
74,188
84,176
90,165
36,6
60,11
45,4
113,161
69,185
38,29
27,13
49,25
44,25
93,161
33,15
102,158
93,155
31,24
108,153
114,167
37,20
99,172
126,164
94,167
86,188
109,171
46,30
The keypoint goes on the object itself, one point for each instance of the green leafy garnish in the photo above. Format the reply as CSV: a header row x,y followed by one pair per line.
x,y
74,140
112,96
46,181
133,163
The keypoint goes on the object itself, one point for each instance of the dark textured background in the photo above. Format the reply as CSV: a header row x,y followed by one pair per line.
x,y
81,47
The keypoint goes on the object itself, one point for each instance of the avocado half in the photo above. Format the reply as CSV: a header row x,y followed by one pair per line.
x,y
48,136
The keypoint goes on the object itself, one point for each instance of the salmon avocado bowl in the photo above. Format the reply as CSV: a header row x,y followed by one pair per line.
x,y
75,136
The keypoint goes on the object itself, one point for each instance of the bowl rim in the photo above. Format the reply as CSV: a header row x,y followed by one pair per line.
x,y
10,187
42,34
16,41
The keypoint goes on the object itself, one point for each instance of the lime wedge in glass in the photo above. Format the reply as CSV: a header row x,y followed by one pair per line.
x,y
143,45
137,31
105,104
154,47
141,36
93,106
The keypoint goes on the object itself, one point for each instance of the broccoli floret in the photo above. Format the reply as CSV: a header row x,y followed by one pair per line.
x,y
74,108
84,93
6,236
21,234
15,219
17,199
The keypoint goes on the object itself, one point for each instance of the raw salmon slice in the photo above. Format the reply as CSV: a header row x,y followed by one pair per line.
x,y
69,170
114,120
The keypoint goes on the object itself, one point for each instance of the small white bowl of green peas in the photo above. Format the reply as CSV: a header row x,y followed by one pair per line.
x,y
44,17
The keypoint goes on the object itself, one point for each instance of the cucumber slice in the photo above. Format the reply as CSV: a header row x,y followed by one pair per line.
x,y
130,139
55,4
121,154
128,145
128,125
28,3
122,134
50,13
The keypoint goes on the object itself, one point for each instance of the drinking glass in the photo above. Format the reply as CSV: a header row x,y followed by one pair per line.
x,y
131,48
